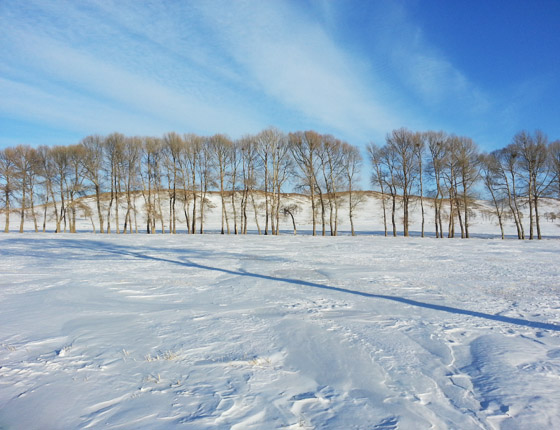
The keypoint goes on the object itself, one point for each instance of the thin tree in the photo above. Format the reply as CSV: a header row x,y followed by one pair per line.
x,y
59,157
437,150
490,171
509,169
173,145
403,144
304,147
221,147
378,176
419,147
7,182
132,150
93,169
535,168
351,163
75,181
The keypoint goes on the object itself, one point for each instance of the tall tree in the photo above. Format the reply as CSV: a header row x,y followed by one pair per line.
x,y
221,147
206,163
466,154
173,146
93,169
490,171
351,164
25,160
248,165
378,176
7,182
403,146
233,177
74,187
59,158
554,159
536,171
419,147
509,169
113,151
305,147
272,153
132,151
437,148
194,145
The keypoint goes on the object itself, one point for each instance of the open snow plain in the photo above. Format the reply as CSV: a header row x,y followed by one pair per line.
x,y
262,332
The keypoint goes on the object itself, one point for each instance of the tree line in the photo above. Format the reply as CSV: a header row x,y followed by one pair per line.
x,y
179,171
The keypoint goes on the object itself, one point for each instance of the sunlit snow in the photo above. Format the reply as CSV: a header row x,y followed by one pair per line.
x,y
265,332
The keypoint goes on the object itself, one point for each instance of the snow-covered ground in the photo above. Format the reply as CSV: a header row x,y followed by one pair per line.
x,y
263,332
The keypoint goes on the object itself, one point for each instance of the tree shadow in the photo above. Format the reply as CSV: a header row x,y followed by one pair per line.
x,y
398,299
126,251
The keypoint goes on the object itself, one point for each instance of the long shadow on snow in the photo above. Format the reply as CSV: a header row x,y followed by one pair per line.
x,y
122,250
449,309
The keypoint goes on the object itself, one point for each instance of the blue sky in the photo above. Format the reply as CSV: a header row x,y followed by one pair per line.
x,y
355,69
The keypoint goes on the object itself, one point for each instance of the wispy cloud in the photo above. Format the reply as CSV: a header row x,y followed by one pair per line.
x,y
217,66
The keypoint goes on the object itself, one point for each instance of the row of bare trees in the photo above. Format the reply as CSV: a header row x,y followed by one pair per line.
x,y
448,168
178,172
411,170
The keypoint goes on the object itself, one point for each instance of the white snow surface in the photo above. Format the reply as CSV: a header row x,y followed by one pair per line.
x,y
286,332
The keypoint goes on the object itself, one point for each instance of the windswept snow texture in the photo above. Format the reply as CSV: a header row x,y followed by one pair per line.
x,y
255,332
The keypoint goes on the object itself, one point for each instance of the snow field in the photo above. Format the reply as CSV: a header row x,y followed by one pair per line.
x,y
253,332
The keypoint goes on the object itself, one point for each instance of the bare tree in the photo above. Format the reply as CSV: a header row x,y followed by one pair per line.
x,y
304,147
451,175
173,146
206,162
75,176
509,169
59,157
194,145
378,176
465,155
331,156
536,172
233,177
113,151
419,148
490,171
388,160
93,169
554,159
351,163
25,162
265,143
221,147
248,163
45,171
7,182
273,153
132,152
437,148
291,210
403,146
282,166
151,149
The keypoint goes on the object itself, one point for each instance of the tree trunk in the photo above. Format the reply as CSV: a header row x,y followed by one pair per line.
x,y
393,212
7,209
537,219
256,213
22,216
